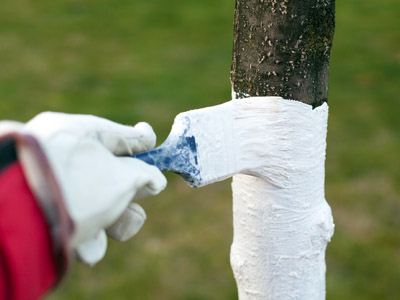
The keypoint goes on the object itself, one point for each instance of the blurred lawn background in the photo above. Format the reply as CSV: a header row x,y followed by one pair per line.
x,y
149,60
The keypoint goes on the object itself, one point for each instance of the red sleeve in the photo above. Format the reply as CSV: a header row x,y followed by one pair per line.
x,y
27,267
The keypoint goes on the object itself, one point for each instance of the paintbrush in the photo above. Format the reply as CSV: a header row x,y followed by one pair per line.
x,y
193,147
213,143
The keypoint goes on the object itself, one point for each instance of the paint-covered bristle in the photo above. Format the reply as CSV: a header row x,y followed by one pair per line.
x,y
199,146
212,129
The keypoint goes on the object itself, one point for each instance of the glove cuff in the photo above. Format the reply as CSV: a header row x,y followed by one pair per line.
x,y
45,188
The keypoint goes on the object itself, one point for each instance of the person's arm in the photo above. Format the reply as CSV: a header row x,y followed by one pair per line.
x,y
74,176
27,265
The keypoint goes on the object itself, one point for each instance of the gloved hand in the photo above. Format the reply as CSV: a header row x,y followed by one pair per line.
x,y
97,183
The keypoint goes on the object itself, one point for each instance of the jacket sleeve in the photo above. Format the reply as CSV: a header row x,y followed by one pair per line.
x,y
27,263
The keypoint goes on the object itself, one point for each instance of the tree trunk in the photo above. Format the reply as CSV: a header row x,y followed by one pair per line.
x,y
282,48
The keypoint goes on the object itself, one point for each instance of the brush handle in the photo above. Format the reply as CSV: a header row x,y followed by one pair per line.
x,y
156,157
178,155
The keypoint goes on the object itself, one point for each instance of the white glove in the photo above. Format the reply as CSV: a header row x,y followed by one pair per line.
x,y
96,183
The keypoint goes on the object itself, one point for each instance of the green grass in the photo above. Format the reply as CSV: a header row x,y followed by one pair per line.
x,y
149,60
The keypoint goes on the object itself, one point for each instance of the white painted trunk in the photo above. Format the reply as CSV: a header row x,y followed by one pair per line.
x,y
282,222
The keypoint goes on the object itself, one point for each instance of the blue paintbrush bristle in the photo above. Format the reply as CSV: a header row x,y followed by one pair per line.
x,y
177,154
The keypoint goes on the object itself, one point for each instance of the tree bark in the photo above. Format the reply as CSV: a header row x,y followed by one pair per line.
x,y
282,48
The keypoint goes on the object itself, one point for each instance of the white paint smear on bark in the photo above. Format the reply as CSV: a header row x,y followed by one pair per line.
x,y
282,222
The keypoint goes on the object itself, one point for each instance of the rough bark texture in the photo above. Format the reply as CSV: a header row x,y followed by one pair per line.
x,y
282,48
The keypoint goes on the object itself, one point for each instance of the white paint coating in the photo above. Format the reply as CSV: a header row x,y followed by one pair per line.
x,y
282,222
